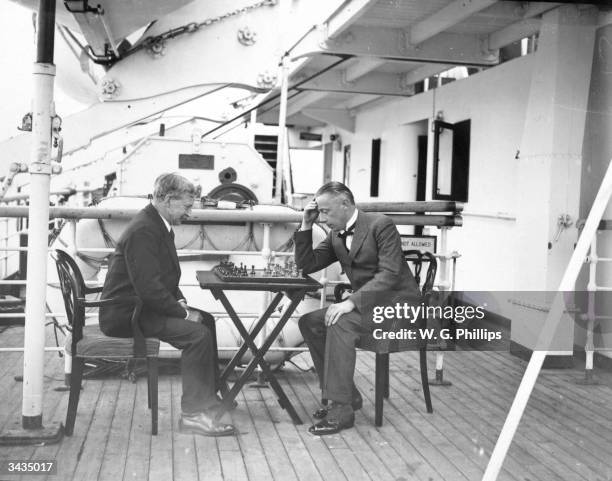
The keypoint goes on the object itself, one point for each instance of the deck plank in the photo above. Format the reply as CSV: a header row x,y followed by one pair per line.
x,y
556,390
565,433
401,449
537,441
449,416
294,437
319,452
275,452
92,453
69,453
160,464
139,449
443,454
117,445
363,447
184,463
230,454
565,425
52,408
256,465
465,419
439,453
531,442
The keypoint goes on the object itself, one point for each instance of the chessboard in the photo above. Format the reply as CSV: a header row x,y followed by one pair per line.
x,y
230,272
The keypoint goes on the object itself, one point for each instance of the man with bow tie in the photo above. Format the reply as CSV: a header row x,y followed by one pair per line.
x,y
145,264
368,247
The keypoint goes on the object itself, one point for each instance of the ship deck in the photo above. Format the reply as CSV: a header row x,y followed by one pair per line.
x,y
565,434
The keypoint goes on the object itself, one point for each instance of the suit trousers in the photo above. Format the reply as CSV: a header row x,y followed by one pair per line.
x,y
198,360
333,351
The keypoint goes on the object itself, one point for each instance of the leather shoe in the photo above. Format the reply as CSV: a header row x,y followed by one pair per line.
x,y
333,425
203,424
356,404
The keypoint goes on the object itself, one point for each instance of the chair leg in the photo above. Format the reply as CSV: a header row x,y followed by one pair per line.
x,y
152,379
379,389
75,391
425,379
385,361
148,385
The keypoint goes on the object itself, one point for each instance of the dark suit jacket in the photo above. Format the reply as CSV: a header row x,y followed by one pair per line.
x,y
375,264
144,264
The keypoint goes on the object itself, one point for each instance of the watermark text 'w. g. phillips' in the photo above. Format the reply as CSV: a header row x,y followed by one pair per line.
x,y
435,323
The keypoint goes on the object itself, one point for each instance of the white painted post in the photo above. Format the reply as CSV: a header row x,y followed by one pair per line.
x,y
266,253
552,320
592,289
282,130
445,285
38,216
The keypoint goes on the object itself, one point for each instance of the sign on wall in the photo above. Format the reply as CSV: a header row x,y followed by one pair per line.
x,y
425,243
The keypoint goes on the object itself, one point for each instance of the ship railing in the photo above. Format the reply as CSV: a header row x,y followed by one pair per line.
x,y
445,216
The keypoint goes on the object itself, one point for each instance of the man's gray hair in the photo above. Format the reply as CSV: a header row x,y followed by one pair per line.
x,y
335,189
174,185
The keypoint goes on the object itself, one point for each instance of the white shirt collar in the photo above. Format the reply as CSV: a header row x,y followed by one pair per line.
x,y
351,221
166,223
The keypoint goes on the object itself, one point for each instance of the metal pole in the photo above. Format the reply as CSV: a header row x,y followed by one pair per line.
x,y
266,253
445,285
40,172
550,325
282,130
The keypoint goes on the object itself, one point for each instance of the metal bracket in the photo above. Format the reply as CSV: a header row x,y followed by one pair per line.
x,y
40,168
85,7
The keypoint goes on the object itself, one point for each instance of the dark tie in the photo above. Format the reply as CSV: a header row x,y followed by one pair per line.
x,y
172,234
345,234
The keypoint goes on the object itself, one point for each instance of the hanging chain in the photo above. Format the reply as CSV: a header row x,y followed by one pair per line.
x,y
156,43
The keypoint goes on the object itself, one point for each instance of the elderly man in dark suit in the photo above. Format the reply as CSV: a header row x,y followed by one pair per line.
x,y
145,264
368,247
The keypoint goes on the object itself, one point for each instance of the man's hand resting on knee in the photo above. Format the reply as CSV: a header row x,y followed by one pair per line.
x,y
192,314
336,310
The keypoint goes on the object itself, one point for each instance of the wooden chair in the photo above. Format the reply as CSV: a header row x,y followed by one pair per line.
x,y
382,348
89,343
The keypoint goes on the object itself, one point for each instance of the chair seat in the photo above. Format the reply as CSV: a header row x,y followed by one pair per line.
x,y
97,344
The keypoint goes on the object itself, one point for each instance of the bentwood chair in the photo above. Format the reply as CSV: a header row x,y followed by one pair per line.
x,y
382,348
89,343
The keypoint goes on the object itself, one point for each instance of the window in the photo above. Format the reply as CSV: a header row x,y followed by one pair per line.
x,y
375,168
346,169
451,164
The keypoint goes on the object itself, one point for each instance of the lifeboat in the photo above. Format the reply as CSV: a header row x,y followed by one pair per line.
x,y
200,246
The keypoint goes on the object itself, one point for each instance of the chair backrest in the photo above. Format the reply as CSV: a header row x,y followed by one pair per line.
x,y
72,286
417,258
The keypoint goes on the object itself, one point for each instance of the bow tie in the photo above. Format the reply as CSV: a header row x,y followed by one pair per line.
x,y
347,232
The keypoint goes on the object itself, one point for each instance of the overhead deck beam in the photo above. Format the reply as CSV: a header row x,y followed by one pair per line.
x,y
423,72
524,28
337,117
304,100
448,16
346,16
360,99
377,83
362,67
514,32
393,44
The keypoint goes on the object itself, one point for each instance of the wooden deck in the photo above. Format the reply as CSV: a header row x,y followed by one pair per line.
x,y
566,433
